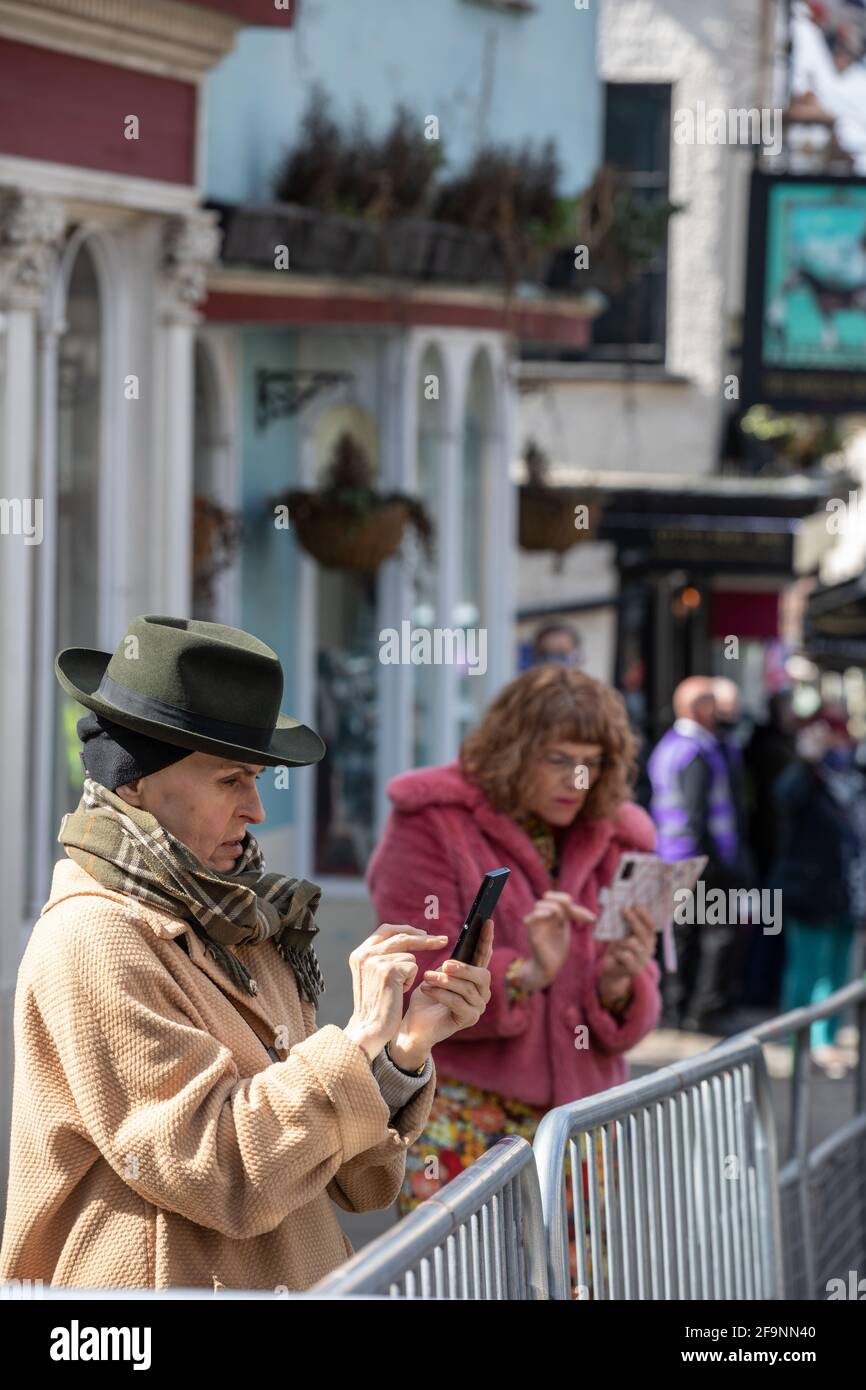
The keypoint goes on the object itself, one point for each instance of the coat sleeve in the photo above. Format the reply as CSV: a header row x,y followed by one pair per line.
x,y
621,1032
398,1087
162,1101
412,864
371,1180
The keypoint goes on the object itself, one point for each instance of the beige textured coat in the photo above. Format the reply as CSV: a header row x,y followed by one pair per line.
x,y
154,1141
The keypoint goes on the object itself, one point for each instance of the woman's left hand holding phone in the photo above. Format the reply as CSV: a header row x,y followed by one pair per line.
x,y
447,1000
623,960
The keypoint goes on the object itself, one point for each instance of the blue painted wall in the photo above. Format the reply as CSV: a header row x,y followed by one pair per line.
x,y
485,73
270,559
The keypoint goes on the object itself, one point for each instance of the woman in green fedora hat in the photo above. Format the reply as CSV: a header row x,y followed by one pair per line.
x,y
178,1119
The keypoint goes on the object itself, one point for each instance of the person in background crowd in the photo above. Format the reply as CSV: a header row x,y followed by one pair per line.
x,y
693,808
557,642
728,719
632,684
541,786
770,750
820,868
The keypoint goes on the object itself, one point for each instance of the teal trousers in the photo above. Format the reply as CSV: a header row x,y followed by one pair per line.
x,y
817,961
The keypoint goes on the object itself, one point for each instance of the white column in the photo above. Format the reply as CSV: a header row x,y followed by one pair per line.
x,y
450,523
30,228
500,556
398,470
190,245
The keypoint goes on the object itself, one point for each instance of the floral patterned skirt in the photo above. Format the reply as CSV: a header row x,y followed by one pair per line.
x,y
464,1122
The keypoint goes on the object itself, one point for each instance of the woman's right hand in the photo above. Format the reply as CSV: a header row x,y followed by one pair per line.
x,y
383,969
549,928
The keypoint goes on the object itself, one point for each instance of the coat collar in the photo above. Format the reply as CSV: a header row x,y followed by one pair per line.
x,y
583,847
70,880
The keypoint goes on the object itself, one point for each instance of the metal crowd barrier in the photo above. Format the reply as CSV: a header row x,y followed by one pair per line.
x,y
481,1237
678,1198
822,1188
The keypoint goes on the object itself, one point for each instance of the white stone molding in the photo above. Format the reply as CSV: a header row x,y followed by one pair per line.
x,y
157,36
30,231
93,190
190,246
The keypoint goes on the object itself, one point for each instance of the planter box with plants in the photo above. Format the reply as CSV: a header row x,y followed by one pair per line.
x,y
348,204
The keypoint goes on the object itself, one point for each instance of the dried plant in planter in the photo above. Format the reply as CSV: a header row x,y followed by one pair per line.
x,y
217,533
351,172
393,175
547,515
347,524
622,230
311,172
513,196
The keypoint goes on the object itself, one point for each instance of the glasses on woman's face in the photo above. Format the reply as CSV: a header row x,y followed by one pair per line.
x,y
560,765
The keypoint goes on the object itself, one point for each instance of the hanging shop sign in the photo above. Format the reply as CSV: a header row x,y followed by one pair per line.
x,y
712,543
804,340
834,628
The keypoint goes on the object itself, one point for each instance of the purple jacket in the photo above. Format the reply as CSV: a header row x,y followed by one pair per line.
x,y
684,829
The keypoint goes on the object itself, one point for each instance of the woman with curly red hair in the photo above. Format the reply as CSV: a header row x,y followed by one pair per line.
x,y
542,787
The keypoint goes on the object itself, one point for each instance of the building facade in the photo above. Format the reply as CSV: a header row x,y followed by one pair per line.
x,y
104,244
693,551
147,371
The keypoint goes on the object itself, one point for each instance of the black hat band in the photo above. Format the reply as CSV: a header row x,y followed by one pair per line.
x,y
147,707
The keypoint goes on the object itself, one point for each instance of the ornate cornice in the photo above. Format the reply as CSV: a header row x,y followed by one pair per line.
x,y
190,246
161,36
31,228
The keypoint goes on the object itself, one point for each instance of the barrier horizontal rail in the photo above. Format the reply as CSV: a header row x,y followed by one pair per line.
x,y
480,1236
686,1204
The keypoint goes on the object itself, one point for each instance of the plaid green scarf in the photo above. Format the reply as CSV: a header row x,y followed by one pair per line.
x,y
129,851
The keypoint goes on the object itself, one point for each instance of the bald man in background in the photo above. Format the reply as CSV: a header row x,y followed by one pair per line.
x,y
694,811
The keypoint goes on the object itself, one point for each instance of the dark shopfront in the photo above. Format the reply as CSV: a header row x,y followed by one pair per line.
x,y
834,629
697,569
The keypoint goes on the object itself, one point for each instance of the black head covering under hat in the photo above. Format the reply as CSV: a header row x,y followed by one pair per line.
x,y
113,755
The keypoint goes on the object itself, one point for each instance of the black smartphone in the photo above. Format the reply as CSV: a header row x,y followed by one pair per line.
x,y
486,899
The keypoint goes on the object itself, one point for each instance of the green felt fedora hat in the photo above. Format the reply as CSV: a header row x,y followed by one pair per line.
x,y
195,684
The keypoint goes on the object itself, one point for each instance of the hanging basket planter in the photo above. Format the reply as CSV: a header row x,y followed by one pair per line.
x,y
547,518
346,524
217,534
339,538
